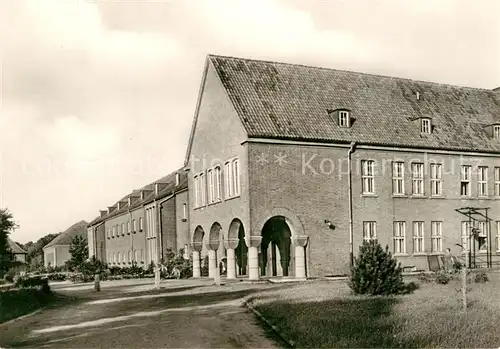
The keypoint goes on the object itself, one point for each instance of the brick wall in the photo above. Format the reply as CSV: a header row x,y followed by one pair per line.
x,y
168,225
308,187
218,137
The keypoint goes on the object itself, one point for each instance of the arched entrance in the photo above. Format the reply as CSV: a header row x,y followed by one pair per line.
x,y
236,237
275,257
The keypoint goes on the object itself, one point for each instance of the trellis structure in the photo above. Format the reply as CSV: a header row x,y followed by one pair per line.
x,y
476,215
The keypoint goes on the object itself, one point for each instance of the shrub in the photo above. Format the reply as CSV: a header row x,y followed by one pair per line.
x,y
443,277
34,281
177,266
376,272
9,276
57,276
481,278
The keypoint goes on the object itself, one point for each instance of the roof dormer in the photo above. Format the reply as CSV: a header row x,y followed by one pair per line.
x,y
131,199
493,130
145,193
159,187
341,116
103,213
121,204
111,209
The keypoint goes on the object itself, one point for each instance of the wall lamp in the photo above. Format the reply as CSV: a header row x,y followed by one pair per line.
x,y
330,224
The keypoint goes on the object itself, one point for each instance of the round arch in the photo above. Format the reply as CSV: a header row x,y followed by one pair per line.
x,y
198,236
291,219
214,236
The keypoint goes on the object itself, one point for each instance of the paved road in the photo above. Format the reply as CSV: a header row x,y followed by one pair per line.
x,y
183,314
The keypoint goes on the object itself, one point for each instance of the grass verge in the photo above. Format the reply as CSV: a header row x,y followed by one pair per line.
x,y
325,315
19,302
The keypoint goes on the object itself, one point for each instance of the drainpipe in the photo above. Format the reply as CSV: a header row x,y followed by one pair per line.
x,y
351,247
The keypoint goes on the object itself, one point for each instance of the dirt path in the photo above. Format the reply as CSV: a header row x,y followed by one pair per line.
x,y
179,316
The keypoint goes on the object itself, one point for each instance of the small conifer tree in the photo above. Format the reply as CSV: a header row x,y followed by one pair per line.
x,y
375,271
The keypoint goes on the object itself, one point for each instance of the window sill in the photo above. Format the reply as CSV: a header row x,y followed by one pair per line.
x,y
215,203
232,197
399,196
437,197
418,197
368,195
420,254
400,254
464,197
484,198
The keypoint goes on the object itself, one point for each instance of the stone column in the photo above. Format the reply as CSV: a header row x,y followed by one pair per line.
x,y
253,243
231,264
300,243
196,264
212,263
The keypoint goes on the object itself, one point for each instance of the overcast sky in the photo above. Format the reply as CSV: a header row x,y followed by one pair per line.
x,y
97,98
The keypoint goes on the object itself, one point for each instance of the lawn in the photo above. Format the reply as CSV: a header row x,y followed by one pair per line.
x,y
325,314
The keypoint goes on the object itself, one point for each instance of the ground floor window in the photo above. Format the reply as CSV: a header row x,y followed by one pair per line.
x,y
369,231
418,237
399,237
436,236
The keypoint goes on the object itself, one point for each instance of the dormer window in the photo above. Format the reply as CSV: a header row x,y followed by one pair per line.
x,y
496,131
426,126
344,118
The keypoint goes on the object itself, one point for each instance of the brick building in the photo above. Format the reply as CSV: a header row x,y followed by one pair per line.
x,y
56,253
291,167
141,226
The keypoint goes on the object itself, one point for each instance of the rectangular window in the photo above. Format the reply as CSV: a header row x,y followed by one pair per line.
x,y
128,227
123,228
142,255
369,231
136,256
228,180
497,181
218,184
211,186
236,177
133,226
113,233
196,191
482,237
436,236
399,232
465,235
109,232
418,178
482,181
418,237
398,183
496,132
498,235
140,224
465,180
129,259
367,176
426,126
184,211
343,118
203,189
436,180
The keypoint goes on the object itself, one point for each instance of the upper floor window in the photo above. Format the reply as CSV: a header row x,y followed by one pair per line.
x,y
200,190
436,180
398,184
344,119
133,226
232,178
140,224
482,181
123,228
128,227
214,185
496,131
367,176
426,126
497,182
418,178
465,180
184,211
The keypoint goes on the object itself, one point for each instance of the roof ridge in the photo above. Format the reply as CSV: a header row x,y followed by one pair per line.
x,y
349,71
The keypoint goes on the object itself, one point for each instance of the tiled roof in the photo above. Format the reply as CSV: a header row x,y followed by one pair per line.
x,y
288,101
66,236
169,189
15,248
